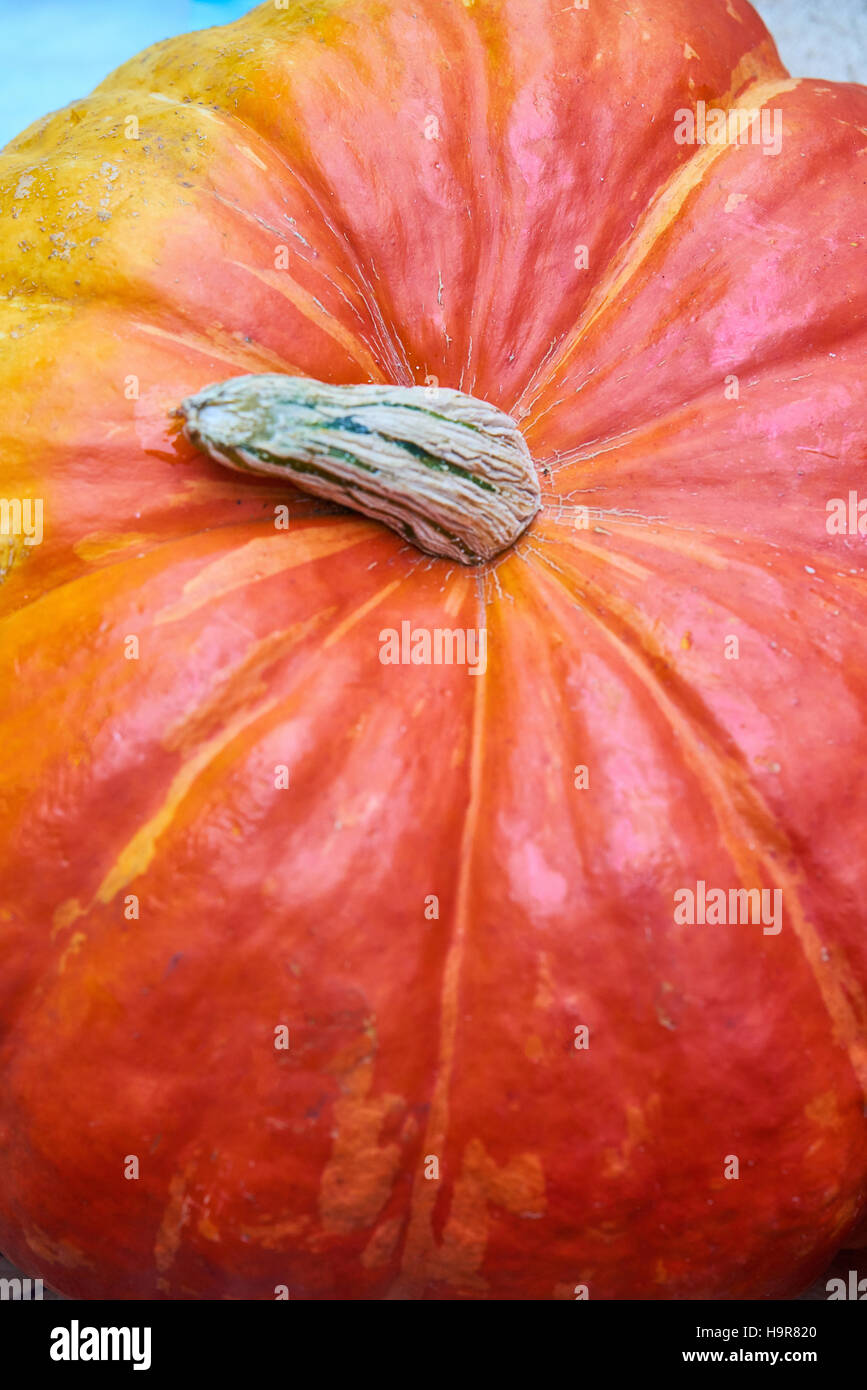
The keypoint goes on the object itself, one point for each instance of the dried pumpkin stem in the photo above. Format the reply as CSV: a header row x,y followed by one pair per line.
x,y
447,471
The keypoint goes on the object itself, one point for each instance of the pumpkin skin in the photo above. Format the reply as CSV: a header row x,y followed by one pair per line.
x,y
443,248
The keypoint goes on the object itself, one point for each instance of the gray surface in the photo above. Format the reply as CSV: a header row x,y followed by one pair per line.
x,y
819,40
54,51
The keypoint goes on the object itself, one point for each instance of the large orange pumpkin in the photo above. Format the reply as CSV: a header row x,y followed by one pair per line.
x,y
506,1069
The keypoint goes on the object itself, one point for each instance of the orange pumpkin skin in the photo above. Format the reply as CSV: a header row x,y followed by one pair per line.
x,y
433,168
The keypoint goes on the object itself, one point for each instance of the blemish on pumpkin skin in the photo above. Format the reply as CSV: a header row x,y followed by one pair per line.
x,y
207,1230
64,915
518,1187
638,1130
382,1244
174,1219
253,158
274,1235
99,544
544,996
58,1252
360,1174
824,1110
77,941
411,1128
25,184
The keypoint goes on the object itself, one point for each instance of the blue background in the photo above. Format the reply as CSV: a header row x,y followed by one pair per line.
x,y
53,51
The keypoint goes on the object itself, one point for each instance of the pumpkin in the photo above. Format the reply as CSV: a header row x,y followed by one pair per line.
x,y
336,963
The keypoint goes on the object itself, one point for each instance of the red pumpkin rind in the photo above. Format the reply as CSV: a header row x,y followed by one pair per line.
x,y
451,1037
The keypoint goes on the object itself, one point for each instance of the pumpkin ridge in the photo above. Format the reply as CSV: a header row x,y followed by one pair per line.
x,y
563,460
759,367
317,314
658,219
421,1254
324,537
136,855
352,527
389,344
215,344
834,985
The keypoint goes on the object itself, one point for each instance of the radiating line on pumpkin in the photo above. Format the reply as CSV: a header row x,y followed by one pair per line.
x,y
389,342
484,173
609,443
539,373
137,855
686,542
605,557
384,344
317,314
651,531
66,590
222,346
260,559
242,685
682,540
836,984
668,423
256,219
354,617
420,1254
316,266
175,1216
96,545
661,215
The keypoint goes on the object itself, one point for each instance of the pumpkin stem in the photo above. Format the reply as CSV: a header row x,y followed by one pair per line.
x,y
447,471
